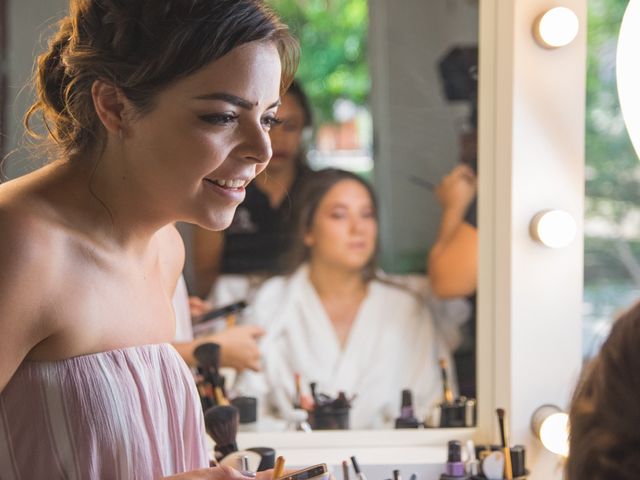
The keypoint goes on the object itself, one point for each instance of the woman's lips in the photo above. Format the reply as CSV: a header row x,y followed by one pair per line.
x,y
235,194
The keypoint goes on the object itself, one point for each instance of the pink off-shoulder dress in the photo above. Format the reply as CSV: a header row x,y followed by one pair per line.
x,y
125,414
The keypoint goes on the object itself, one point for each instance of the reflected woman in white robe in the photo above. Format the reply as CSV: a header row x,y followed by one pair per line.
x,y
335,322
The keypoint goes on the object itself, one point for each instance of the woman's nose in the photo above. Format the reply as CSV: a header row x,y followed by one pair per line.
x,y
357,224
257,144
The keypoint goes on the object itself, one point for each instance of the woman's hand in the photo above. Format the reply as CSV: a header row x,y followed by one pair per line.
x,y
219,473
197,306
457,190
215,473
239,347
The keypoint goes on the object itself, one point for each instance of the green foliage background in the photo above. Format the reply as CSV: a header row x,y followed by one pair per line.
x,y
612,186
333,39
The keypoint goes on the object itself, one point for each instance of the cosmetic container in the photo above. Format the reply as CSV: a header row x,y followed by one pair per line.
x,y
248,410
452,415
268,457
326,417
245,470
470,412
454,468
406,418
517,460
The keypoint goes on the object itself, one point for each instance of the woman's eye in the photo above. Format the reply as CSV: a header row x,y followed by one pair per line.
x,y
270,122
220,118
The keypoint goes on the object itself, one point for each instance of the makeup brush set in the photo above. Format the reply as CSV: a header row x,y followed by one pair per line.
x,y
209,381
494,462
449,413
221,423
329,413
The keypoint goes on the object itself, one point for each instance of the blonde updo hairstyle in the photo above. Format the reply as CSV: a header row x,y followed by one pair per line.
x,y
140,47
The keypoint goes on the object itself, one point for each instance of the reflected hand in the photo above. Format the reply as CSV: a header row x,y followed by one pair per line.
x,y
197,306
457,190
239,347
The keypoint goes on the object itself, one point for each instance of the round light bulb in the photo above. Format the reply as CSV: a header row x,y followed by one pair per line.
x,y
628,71
556,27
554,228
551,425
554,433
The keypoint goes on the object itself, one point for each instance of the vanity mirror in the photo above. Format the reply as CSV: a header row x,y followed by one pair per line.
x,y
421,121
423,103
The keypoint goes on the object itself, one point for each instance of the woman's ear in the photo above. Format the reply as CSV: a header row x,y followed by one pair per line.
x,y
111,105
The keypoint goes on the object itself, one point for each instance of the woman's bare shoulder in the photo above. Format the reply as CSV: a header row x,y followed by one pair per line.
x,y
28,251
28,278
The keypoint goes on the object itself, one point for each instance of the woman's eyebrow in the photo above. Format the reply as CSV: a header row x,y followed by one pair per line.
x,y
234,100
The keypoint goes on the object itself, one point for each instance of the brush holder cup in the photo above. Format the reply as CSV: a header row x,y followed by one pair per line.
x,y
518,459
329,418
452,415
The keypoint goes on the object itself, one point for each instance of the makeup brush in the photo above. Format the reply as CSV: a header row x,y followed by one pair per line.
x,y
312,387
448,394
231,320
221,399
278,470
345,470
208,357
504,436
221,422
297,399
422,182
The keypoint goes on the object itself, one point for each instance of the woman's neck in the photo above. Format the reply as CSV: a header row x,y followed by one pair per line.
x,y
276,183
106,204
341,293
330,281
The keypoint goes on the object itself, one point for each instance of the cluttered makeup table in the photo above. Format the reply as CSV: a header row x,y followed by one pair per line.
x,y
379,453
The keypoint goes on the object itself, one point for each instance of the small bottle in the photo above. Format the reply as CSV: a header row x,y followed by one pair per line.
x,y
244,469
406,418
248,413
454,468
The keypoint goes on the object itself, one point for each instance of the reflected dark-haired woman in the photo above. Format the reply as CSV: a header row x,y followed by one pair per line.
x,y
161,112
337,321
261,231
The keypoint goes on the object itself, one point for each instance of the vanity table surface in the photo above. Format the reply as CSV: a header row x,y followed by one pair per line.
x,y
422,452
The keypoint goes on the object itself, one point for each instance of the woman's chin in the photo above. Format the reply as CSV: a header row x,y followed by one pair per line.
x,y
217,222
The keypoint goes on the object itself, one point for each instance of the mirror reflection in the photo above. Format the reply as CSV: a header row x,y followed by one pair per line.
x,y
318,293
345,298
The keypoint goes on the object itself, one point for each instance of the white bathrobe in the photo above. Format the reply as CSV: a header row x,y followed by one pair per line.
x,y
393,345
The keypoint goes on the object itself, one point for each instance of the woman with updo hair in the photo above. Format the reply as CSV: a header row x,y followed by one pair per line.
x,y
604,440
157,111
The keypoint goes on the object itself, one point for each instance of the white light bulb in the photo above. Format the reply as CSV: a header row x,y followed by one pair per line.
x,y
628,71
556,27
554,228
554,433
